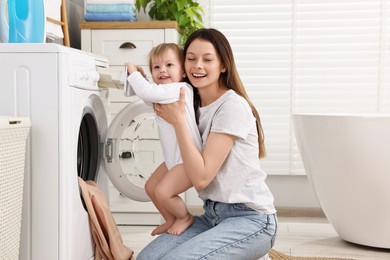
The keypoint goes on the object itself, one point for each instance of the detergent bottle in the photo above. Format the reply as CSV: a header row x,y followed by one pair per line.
x,y
23,22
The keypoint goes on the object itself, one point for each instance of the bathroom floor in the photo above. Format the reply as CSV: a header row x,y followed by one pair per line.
x,y
296,236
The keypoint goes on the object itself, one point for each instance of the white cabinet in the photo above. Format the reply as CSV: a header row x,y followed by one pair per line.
x,y
121,42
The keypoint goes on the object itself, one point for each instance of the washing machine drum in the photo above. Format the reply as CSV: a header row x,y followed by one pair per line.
x,y
88,148
133,150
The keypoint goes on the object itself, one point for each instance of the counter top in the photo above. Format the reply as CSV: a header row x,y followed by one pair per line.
x,y
129,25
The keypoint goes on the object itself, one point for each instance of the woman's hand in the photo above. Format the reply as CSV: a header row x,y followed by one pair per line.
x,y
173,113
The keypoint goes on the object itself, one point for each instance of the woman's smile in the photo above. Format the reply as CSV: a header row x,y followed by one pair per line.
x,y
199,75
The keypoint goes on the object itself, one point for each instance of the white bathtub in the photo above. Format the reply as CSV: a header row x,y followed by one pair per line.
x,y
347,161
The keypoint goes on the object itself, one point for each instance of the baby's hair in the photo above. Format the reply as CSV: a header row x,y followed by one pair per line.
x,y
162,49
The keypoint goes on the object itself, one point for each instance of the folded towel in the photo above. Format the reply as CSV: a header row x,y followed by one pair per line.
x,y
109,17
110,8
109,2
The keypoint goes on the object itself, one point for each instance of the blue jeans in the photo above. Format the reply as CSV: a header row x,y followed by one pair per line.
x,y
224,231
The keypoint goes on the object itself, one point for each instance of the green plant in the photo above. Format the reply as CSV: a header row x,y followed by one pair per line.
x,y
187,14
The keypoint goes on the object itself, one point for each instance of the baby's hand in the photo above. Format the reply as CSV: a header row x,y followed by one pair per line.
x,y
132,68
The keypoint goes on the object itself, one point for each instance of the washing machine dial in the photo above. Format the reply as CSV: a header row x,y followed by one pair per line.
x,y
83,73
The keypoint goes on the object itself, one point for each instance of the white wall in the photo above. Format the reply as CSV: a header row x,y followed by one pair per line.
x,y
75,13
289,192
292,191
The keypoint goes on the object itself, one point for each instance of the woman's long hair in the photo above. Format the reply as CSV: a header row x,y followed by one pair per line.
x,y
230,78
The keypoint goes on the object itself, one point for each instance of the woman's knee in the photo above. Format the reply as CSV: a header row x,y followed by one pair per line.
x,y
144,255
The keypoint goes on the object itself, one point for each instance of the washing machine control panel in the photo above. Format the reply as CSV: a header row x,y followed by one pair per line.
x,y
83,72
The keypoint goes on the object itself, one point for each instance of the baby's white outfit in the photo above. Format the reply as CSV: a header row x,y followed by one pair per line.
x,y
165,94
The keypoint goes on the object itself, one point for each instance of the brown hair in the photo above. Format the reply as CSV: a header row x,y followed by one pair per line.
x,y
230,78
162,48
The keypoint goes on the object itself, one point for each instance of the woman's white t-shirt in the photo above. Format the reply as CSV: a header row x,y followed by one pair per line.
x,y
240,179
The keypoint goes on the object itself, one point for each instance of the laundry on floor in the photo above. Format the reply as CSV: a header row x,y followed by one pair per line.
x,y
107,238
110,10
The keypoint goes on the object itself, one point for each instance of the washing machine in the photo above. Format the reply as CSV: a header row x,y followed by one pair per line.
x,y
57,88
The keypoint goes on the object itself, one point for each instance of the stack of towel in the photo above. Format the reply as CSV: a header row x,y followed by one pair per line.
x,y
110,10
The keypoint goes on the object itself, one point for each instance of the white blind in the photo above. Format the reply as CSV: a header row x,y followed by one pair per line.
x,y
384,99
307,56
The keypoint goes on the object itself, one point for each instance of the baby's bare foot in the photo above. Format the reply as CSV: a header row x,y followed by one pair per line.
x,y
180,225
162,228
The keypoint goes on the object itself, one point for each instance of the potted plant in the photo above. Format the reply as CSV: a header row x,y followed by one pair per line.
x,y
187,14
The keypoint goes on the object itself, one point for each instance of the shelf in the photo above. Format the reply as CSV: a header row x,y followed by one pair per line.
x,y
129,25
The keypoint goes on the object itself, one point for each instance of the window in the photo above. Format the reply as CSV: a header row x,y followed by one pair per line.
x,y
305,56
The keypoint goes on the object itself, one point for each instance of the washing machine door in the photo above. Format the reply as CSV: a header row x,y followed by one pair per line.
x,y
132,150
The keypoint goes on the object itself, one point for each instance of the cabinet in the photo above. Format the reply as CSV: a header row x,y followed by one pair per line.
x,y
121,42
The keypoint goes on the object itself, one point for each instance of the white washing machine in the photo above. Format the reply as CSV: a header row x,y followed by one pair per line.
x,y
56,87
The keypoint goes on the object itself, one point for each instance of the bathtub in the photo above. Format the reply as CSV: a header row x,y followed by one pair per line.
x,y
347,161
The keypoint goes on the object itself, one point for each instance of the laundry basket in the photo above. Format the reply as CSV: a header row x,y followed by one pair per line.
x,y
13,141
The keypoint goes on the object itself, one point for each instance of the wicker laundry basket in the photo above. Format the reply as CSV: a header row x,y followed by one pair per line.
x,y
13,142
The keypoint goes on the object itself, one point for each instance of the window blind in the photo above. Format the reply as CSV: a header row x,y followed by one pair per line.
x,y
305,56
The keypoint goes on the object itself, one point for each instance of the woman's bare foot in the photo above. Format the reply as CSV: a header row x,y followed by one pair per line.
x,y
162,228
180,225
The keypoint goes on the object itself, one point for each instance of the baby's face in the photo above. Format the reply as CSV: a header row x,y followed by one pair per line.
x,y
167,68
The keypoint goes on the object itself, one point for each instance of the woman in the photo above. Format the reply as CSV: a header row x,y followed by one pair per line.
x,y
240,219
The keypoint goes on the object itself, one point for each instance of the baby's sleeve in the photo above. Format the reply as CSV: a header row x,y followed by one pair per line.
x,y
154,93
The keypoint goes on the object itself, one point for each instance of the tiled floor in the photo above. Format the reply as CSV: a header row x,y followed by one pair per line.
x,y
296,237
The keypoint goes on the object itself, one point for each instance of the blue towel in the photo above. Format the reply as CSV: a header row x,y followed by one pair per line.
x,y
109,17
110,8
